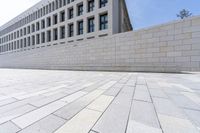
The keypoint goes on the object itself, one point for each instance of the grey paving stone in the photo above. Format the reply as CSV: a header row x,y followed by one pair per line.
x,y
158,93
8,127
47,125
167,107
194,115
142,93
47,100
116,115
113,91
184,102
7,101
141,80
176,125
144,112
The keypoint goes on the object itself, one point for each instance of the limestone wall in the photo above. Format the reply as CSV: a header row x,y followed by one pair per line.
x,y
171,47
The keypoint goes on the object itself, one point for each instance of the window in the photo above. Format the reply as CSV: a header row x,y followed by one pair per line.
x,y
28,29
24,42
71,30
21,43
48,35
55,19
33,40
91,25
62,32
80,9
43,24
21,33
37,26
90,5
60,3
80,27
43,37
64,2
24,31
71,13
62,16
48,21
55,34
104,21
38,39
29,41
33,27
102,3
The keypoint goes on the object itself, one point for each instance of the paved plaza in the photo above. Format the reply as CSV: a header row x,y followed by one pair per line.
x,y
43,101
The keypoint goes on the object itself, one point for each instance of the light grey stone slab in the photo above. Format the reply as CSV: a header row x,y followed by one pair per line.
x,y
142,93
46,125
176,125
7,101
113,91
167,107
141,80
47,100
8,127
72,109
158,93
184,102
136,127
31,117
11,114
194,115
116,116
144,112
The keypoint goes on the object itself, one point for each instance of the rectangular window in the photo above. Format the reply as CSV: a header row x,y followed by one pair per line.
x,y
62,32
43,37
80,10
70,13
29,41
48,35
37,26
21,33
80,27
48,21
43,24
64,2
33,28
71,30
38,39
24,42
55,34
62,16
104,21
91,5
102,3
55,19
91,25
24,31
28,29
33,40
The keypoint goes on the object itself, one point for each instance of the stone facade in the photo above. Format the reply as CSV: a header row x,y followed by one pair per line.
x,y
171,47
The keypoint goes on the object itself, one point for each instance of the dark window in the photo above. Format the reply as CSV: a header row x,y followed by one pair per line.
x,y
48,21
91,25
43,37
24,31
48,35
102,3
70,13
80,9
33,40
33,27
62,32
28,29
80,27
62,16
71,30
90,5
24,42
38,39
37,26
104,21
29,41
55,34
55,19
43,24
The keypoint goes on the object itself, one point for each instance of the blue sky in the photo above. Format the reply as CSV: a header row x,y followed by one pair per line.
x,y
145,13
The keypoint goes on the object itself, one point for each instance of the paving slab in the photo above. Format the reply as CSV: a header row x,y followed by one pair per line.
x,y
9,127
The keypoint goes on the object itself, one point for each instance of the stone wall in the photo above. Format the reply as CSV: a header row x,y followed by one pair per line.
x,y
171,47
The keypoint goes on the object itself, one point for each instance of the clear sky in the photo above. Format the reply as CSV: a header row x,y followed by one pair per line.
x,y
143,13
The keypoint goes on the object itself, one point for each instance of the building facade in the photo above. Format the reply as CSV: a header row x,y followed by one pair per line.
x,y
54,22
